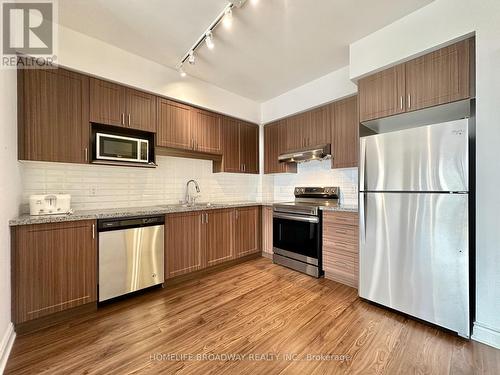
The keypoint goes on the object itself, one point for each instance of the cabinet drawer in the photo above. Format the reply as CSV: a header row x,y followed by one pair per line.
x,y
340,218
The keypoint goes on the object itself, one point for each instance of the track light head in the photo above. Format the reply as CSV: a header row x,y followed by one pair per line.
x,y
182,73
191,58
209,40
228,18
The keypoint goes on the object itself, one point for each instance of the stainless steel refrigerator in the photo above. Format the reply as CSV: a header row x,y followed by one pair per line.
x,y
414,223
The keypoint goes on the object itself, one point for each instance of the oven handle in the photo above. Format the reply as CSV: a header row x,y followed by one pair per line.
x,y
296,218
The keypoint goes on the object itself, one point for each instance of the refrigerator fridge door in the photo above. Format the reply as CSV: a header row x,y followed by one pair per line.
x,y
414,255
428,158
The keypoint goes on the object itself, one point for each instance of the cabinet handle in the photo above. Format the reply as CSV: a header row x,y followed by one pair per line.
x,y
401,102
129,119
93,231
236,214
206,218
86,154
244,167
201,218
409,101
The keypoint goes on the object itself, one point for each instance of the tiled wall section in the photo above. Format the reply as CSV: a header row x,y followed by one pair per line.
x,y
318,173
94,186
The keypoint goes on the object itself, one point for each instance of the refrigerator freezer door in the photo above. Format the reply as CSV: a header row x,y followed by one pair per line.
x,y
414,255
428,158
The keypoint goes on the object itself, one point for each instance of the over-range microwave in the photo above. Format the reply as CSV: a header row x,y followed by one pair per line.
x,y
121,148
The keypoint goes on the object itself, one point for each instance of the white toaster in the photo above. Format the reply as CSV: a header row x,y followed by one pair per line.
x,y
50,204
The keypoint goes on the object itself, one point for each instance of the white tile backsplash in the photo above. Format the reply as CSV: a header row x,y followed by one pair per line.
x,y
318,173
96,186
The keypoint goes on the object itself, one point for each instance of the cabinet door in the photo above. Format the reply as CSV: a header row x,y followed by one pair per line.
x,y
141,110
246,237
54,268
382,94
53,115
267,230
230,145
249,147
174,125
345,133
183,244
438,77
319,127
218,236
297,131
274,145
107,103
206,128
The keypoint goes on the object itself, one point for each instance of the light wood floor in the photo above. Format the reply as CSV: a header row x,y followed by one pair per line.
x,y
255,308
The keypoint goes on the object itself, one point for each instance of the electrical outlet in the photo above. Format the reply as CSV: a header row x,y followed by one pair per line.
x,y
93,190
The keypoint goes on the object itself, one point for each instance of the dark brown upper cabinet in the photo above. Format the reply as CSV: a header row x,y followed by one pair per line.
x,y
275,143
249,147
345,148
113,104
382,94
53,115
308,129
319,128
206,131
173,128
439,77
240,147
296,137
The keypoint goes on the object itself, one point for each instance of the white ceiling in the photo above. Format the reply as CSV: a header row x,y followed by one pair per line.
x,y
272,47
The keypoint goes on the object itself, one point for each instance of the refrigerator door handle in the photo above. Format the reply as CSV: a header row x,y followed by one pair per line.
x,y
362,219
362,166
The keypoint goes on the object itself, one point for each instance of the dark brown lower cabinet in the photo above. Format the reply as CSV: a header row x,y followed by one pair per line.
x,y
218,227
197,240
247,233
183,243
53,268
340,247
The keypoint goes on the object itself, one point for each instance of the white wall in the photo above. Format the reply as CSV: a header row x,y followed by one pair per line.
x,y
97,186
10,192
89,55
326,89
422,30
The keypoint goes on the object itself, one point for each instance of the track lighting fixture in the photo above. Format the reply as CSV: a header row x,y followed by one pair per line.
x,y
225,17
228,17
182,72
209,40
191,58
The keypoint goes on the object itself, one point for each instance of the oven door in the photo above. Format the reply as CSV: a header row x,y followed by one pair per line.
x,y
297,237
115,147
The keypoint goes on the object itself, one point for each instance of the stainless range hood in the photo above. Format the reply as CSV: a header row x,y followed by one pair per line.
x,y
319,152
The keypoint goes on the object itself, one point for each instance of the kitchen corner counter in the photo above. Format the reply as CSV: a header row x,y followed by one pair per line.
x,y
111,213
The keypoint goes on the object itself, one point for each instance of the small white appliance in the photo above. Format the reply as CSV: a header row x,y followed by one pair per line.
x,y
50,204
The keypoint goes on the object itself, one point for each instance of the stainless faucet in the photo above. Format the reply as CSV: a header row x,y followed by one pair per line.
x,y
189,198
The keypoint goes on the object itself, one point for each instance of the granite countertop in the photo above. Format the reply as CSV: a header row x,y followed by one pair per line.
x,y
110,213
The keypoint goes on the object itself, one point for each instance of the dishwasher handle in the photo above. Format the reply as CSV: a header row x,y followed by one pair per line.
x,y
105,225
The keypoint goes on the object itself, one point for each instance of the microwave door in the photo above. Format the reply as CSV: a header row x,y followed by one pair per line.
x,y
119,148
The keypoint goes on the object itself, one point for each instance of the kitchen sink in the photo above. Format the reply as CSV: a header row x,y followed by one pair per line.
x,y
193,205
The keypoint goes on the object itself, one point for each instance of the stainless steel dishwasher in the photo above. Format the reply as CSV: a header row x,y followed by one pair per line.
x,y
131,255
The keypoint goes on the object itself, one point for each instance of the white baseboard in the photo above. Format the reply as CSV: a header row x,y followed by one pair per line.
x,y
6,345
486,335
